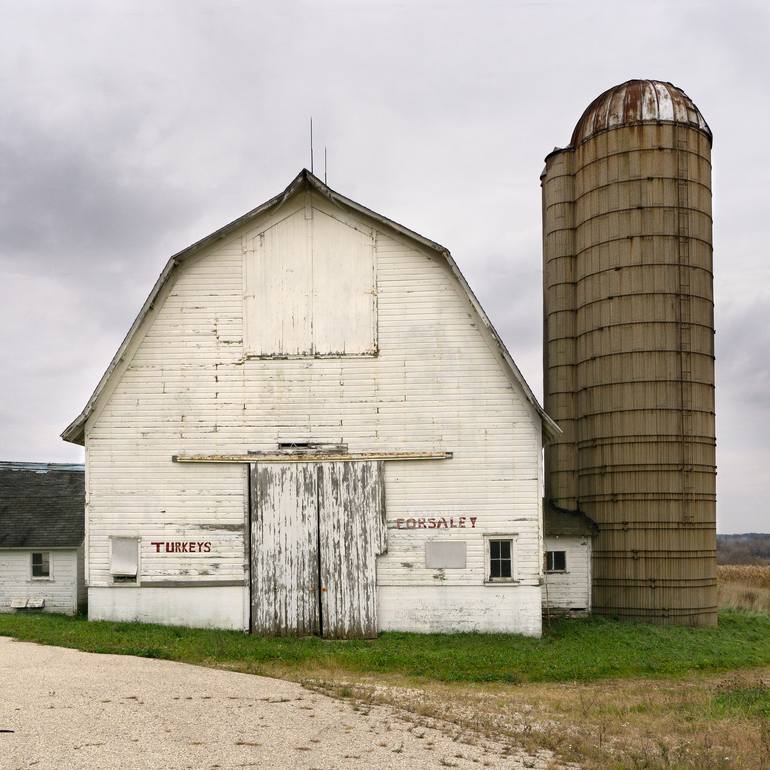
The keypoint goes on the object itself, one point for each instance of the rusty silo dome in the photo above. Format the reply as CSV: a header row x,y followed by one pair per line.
x,y
635,102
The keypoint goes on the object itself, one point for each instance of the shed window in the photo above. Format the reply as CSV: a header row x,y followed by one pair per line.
x,y
41,564
555,561
124,559
501,559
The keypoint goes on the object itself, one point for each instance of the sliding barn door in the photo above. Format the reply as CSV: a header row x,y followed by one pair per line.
x,y
316,532
284,549
352,534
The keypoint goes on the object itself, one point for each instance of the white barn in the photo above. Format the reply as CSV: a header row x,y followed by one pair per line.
x,y
313,428
41,538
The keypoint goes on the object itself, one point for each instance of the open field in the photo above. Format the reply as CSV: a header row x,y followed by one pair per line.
x,y
609,695
744,586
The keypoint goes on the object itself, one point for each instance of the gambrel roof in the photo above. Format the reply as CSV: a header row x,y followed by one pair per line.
x,y
42,505
305,180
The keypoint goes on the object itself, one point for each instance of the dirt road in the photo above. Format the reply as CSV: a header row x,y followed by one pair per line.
x,y
62,708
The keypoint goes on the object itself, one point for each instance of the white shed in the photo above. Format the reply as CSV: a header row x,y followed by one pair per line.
x,y
41,538
313,428
567,561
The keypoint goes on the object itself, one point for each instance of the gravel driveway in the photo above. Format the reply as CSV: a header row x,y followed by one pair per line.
x,y
70,709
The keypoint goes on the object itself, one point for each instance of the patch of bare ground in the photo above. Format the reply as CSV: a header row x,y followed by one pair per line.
x,y
631,724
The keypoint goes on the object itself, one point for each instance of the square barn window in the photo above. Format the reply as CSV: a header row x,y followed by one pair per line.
x,y
501,560
555,561
41,564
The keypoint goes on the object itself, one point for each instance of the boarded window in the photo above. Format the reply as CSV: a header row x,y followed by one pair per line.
x,y
41,564
555,561
444,554
309,288
124,557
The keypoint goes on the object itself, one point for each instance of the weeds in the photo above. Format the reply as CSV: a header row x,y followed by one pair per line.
x,y
744,587
742,698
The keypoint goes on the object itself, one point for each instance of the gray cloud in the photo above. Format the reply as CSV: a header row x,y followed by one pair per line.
x,y
129,129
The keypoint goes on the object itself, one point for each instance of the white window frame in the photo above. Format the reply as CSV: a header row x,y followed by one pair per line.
x,y
555,571
45,578
513,538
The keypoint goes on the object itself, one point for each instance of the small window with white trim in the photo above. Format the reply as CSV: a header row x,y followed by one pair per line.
x,y
41,565
124,559
555,561
501,564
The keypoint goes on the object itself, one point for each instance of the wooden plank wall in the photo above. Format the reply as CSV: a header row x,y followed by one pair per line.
x,y
60,593
570,590
438,382
352,535
284,552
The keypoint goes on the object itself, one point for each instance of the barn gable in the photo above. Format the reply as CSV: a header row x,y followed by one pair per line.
x,y
286,211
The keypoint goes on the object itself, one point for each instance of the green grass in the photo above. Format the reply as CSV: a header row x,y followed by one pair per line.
x,y
572,650
744,700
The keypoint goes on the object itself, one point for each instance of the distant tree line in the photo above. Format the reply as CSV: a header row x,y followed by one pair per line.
x,y
750,548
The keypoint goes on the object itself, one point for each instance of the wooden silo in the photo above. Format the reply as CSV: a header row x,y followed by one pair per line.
x,y
629,348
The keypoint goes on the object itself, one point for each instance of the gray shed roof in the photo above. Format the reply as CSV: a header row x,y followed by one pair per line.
x,y
75,431
560,521
42,505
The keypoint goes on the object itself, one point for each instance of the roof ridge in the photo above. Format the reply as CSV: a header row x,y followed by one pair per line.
x,y
34,465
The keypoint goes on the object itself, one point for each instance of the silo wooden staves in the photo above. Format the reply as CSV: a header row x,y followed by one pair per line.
x,y
629,348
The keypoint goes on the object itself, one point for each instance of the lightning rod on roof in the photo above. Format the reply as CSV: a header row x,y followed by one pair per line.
x,y
311,144
324,164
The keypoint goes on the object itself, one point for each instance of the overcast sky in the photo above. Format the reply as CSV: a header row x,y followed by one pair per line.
x,y
130,129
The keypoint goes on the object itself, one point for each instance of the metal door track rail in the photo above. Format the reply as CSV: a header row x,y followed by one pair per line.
x,y
311,457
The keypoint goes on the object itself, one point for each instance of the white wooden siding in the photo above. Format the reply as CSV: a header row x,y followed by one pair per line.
x,y
59,593
309,288
344,297
570,590
284,576
438,382
279,285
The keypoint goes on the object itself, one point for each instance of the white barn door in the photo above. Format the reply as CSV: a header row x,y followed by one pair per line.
x,y
284,550
352,534
317,529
